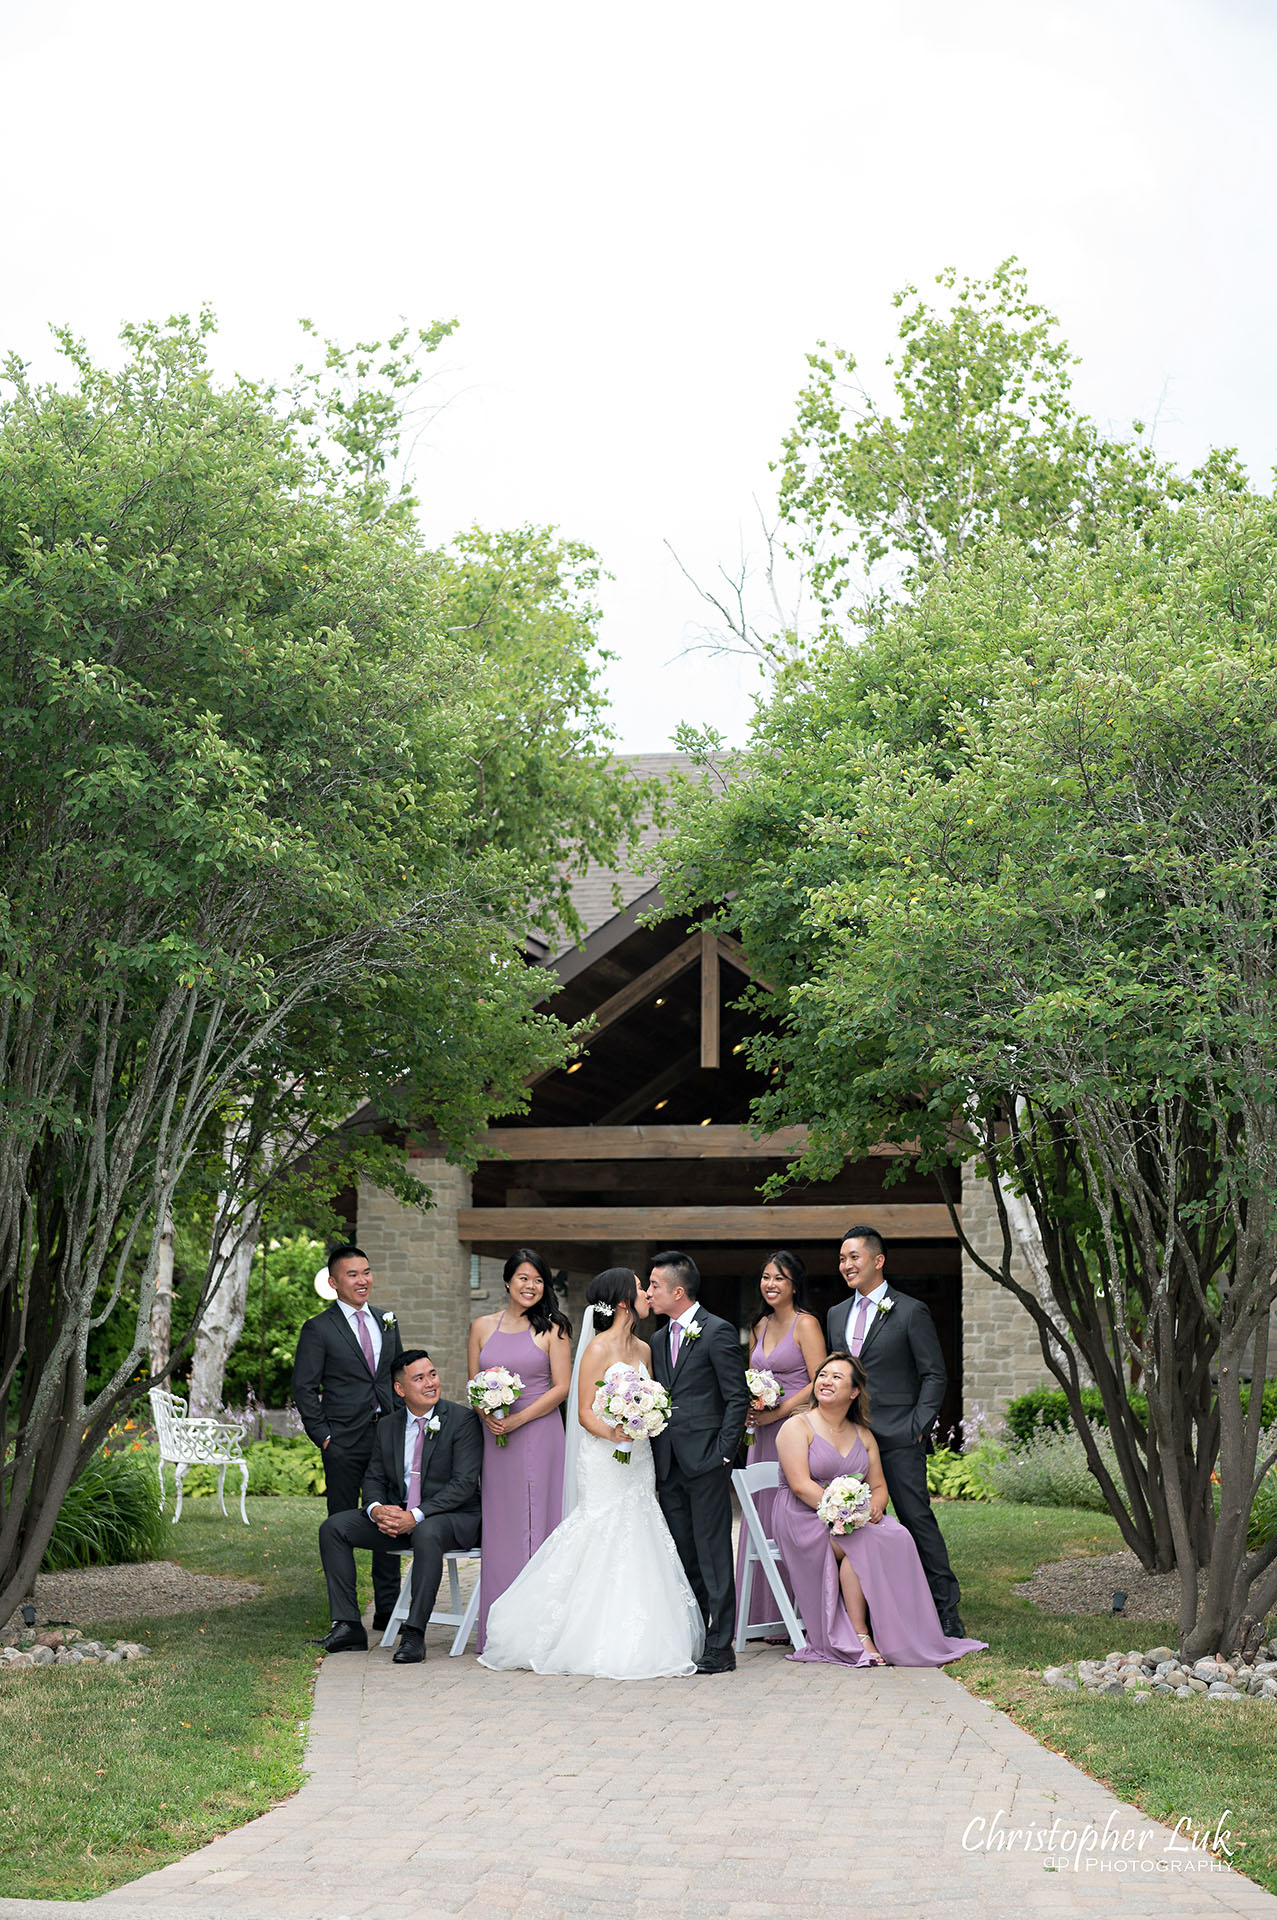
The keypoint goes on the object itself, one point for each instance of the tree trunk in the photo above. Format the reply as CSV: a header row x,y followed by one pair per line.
x,y
162,1311
223,1319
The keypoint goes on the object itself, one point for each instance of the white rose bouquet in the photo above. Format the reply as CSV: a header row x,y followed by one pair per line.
x,y
494,1390
639,1407
764,1394
844,1505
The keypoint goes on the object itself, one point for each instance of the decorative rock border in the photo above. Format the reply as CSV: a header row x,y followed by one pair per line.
x,y
1160,1670
63,1647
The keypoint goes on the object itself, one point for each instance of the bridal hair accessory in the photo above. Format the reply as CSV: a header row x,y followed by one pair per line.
x,y
844,1505
628,1400
494,1390
604,1310
764,1394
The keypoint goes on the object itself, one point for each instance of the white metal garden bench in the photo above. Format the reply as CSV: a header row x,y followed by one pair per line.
x,y
196,1442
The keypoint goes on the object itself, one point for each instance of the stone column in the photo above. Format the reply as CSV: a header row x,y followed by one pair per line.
x,y
1001,1353
421,1270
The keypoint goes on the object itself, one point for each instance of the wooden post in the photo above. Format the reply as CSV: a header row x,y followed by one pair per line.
x,y
709,998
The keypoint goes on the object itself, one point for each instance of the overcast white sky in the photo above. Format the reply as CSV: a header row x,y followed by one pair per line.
x,y
644,217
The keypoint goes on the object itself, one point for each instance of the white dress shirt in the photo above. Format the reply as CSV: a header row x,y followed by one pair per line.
x,y
410,1426
874,1299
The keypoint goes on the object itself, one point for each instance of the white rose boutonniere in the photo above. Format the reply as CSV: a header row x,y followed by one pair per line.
x,y
388,1320
432,1424
886,1303
694,1331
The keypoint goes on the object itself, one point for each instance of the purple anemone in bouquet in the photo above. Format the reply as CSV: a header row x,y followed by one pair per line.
x,y
638,1407
494,1391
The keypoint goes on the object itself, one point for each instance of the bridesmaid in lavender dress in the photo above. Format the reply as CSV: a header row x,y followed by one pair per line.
x,y
786,1341
522,1484
863,1596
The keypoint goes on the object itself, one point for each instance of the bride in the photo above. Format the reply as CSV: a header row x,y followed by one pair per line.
x,y
605,1594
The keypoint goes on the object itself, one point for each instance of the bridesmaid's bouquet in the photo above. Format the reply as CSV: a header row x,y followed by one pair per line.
x,y
494,1390
844,1505
638,1406
764,1394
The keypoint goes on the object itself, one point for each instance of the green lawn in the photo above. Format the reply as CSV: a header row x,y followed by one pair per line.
x,y
110,1772
1171,1757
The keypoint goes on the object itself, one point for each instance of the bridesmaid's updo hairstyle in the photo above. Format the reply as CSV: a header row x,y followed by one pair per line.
x,y
859,1408
614,1287
546,1313
791,1265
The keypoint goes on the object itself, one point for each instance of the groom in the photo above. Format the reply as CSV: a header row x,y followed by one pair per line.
x,y
698,1358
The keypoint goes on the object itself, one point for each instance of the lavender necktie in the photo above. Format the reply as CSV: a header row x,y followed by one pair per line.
x,y
365,1340
414,1478
676,1335
862,1315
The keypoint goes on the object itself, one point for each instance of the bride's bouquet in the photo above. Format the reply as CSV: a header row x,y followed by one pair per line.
x,y
764,1394
638,1406
844,1505
494,1390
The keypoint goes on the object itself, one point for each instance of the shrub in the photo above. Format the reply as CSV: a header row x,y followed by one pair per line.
x,y
1045,1409
275,1466
111,1515
1050,1470
964,1476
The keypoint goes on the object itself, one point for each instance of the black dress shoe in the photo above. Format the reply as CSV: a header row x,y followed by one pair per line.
x,y
412,1647
344,1636
952,1628
717,1663
380,1621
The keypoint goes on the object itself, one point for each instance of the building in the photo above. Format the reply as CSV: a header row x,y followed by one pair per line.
x,y
644,1142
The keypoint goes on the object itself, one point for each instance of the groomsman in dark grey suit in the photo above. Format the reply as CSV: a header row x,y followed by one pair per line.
x,y
342,1377
422,1491
698,1358
894,1338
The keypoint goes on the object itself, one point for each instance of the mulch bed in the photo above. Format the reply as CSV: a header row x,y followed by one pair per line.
x,y
150,1588
1087,1586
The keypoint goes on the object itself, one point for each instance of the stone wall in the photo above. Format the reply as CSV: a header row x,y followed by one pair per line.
x,y
1001,1354
421,1272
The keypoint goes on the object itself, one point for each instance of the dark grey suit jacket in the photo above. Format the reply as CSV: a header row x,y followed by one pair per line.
x,y
709,1396
450,1462
335,1394
903,1363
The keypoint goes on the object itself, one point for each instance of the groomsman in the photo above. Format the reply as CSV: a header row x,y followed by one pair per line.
x,y
422,1490
894,1338
698,1358
342,1376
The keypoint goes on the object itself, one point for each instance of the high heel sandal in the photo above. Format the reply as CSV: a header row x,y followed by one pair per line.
x,y
875,1658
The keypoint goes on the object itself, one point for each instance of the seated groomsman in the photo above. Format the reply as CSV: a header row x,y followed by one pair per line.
x,y
421,1489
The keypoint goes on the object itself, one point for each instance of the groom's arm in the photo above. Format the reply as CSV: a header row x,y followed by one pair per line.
x,y
729,1369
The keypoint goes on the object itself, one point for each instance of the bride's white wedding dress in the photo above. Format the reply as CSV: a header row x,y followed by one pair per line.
x,y
605,1594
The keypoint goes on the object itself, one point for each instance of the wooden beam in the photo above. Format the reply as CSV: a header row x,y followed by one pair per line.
x,y
733,952
709,999
777,1222
621,1003
645,1142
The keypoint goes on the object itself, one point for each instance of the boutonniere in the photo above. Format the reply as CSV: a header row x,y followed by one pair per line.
x,y
432,1424
886,1303
388,1320
694,1331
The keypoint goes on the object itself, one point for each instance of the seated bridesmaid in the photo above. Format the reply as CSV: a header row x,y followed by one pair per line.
x,y
863,1596
522,1484
786,1341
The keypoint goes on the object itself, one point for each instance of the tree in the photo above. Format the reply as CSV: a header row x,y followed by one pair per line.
x,y
245,876
1012,863
984,438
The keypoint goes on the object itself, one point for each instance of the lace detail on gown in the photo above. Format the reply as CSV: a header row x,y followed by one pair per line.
x,y
605,1594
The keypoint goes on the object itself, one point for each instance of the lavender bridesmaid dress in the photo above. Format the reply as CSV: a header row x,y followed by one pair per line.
x,y
522,1486
902,1614
786,1362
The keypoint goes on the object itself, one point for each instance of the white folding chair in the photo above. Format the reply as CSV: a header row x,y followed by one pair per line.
x,y
454,1615
765,1554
